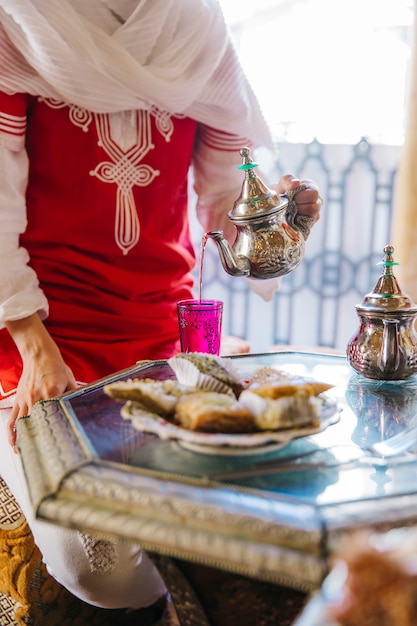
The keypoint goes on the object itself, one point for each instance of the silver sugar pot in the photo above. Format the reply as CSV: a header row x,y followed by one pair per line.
x,y
269,242
385,346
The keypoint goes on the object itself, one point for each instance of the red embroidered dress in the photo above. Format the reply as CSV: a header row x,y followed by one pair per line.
x,y
107,233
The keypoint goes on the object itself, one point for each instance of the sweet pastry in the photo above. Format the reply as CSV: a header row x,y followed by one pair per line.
x,y
209,395
293,411
213,412
271,383
219,413
156,396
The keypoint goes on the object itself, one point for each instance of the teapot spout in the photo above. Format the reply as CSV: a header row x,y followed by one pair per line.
x,y
232,263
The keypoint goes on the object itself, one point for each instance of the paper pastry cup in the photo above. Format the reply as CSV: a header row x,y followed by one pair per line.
x,y
189,374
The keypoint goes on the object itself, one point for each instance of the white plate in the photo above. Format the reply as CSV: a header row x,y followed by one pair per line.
x,y
229,450
231,444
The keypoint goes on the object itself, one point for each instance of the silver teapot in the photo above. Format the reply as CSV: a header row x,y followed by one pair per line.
x,y
385,346
268,243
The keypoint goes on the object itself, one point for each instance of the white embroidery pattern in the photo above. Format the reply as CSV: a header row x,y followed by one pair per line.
x,y
102,555
78,116
164,123
125,167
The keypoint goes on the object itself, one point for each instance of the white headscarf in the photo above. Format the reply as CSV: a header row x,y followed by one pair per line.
x,y
109,55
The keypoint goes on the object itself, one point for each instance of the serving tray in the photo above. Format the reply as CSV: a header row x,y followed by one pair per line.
x,y
88,468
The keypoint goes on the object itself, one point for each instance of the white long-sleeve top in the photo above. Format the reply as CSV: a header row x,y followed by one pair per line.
x,y
20,294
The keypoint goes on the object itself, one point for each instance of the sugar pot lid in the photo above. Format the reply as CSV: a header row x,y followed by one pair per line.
x,y
387,296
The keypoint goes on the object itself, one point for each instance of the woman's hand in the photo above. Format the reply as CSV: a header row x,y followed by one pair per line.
x,y
309,202
45,374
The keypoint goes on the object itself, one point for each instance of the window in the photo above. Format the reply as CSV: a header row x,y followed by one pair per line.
x,y
334,70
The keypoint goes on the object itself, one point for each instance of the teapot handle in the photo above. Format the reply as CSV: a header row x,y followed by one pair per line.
x,y
303,223
389,358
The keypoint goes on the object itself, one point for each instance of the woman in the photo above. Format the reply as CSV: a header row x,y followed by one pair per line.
x,y
104,107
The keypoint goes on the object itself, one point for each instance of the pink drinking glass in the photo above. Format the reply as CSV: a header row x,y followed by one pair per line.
x,y
200,325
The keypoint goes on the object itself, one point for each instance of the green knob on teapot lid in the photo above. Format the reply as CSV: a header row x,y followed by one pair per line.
x,y
256,199
387,295
247,164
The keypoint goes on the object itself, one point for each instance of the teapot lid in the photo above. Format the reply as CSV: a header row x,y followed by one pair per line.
x,y
256,199
387,295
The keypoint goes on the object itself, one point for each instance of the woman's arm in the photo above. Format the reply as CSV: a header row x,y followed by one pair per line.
x,y
20,294
22,302
45,375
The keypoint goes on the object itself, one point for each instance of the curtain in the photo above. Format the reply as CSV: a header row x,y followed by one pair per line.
x,y
404,226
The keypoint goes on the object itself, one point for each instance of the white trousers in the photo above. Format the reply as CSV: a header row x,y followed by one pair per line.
x,y
132,581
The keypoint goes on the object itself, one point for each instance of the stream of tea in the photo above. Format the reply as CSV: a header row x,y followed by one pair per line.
x,y
204,240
